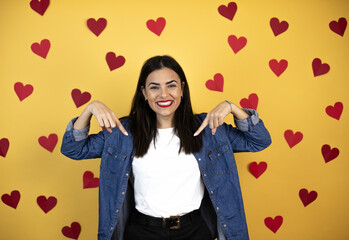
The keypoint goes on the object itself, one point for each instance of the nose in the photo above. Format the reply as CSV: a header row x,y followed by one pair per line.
x,y
164,92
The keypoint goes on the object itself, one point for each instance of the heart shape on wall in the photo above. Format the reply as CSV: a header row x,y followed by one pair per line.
x,y
278,67
278,27
328,153
237,43
11,200
114,61
216,84
39,6
307,197
335,111
98,26
46,204
73,231
251,102
293,138
156,26
89,181
80,98
4,146
274,223
319,68
258,169
49,143
339,27
41,49
23,91
228,11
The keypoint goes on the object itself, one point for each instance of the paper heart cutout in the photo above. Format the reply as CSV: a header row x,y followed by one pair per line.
x,y
278,67
39,6
293,138
274,224
319,68
98,26
23,91
339,27
11,200
73,231
216,84
335,111
328,153
258,169
80,98
156,26
251,102
113,61
278,27
89,181
49,143
46,204
41,48
237,43
4,146
307,197
228,11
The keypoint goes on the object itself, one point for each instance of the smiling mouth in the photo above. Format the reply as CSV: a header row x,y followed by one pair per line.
x,y
164,104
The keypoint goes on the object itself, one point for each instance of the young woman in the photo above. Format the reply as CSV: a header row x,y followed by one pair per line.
x,y
166,173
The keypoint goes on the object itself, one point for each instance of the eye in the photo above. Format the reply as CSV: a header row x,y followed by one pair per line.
x,y
154,88
172,85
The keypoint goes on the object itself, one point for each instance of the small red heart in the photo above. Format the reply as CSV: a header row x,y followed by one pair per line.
x,y
277,26
98,26
11,200
113,61
41,48
89,181
339,27
216,84
258,169
293,138
251,102
335,111
319,68
23,91
307,197
237,43
4,145
80,98
49,143
328,153
73,231
228,11
278,67
156,26
274,224
46,204
39,6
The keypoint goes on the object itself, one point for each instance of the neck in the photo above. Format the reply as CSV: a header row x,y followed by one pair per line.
x,y
165,122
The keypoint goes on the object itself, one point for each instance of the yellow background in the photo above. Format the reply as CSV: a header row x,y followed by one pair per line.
x,y
196,35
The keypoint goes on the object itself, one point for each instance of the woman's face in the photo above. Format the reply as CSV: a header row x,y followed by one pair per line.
x,y
163,90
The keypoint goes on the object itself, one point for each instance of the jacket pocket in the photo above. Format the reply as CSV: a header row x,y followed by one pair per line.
x,y
112,161
222,159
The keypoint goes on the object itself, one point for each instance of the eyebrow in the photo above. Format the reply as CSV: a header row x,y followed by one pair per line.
x,y
166,83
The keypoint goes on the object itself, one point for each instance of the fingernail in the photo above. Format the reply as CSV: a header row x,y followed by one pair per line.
x,y
126,133
195,134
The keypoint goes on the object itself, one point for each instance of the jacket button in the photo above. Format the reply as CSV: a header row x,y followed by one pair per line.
x,y
117,210
211,192
126,174
199,159
123,193
218,154
204,174
225,225
217,208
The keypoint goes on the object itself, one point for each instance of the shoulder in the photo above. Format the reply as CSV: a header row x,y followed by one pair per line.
x,y
200,117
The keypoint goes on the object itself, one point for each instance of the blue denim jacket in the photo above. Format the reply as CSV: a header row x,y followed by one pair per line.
x,y
222,206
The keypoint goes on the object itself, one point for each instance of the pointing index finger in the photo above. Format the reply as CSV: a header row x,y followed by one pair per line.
x,y
203,125
122,129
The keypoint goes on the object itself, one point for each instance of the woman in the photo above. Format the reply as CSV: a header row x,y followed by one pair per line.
x,y
166,173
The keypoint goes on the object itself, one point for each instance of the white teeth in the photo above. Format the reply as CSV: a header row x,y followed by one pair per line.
x,y
164,103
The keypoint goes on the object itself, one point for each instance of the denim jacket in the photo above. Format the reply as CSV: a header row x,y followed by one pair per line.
x,y
222,207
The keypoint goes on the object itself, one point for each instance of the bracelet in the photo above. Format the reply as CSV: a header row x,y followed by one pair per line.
x,y
231,109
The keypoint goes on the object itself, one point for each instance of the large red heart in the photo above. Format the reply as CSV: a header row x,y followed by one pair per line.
x,y
273,224
113,61
73,231
319,68
80,98
328,153
293,138
23,91
11,200
4,145
98,26
251,102
237,43
89,181
156,26
46,204
335,111
307,197
216,84
49,143
339,27
41,48
278,67
277,26
39,6
258,169
228,11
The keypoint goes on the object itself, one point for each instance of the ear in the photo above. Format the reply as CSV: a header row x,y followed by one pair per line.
x,y
144,93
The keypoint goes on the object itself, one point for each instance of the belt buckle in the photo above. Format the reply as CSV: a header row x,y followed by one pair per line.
x,y
172,220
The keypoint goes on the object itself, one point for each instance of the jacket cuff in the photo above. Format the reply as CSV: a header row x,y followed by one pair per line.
x,y
247,124
79,134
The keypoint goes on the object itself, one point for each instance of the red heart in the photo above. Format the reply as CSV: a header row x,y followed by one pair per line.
x,y
11,200
278,27
89,181
216,84
258,169
306,197
73,231
251,102
273,224
278,67
113,61
98,26
41,49
237,43
293,138
23,91
39,6
48,143
4,145
335,111
228,11
339,27
328,153
319,68
80,98
46,204
156,26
